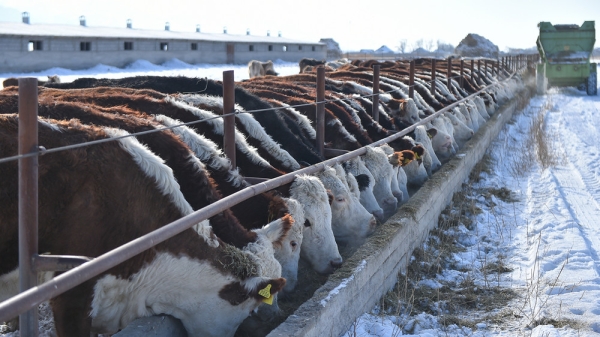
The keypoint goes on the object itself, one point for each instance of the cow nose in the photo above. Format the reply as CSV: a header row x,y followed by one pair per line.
x,y
372,223
391,201
336,263
378,214
398,195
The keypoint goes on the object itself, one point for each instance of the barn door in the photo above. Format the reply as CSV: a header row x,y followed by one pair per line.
x,y
230,53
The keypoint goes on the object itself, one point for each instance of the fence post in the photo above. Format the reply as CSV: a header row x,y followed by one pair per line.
x,y
411,80
375,112
320,122
229,121
462,73
28,197
479,69
472,72
433,62
449,75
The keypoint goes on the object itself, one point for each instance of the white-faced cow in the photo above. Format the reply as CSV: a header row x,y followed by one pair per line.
x,y
96,198
257,68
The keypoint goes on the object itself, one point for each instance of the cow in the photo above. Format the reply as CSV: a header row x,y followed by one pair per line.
x,y
423,136
87,210
398,160
305,62
366,184
351,222
378,164
258,69
280,127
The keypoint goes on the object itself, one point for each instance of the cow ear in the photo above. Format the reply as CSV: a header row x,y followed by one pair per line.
x,y
395,159
268,288
432,132
276,231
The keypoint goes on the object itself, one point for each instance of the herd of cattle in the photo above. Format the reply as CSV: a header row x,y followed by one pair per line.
x,y
93,199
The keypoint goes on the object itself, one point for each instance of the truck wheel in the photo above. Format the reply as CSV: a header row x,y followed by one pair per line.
x,y
592,85
541,83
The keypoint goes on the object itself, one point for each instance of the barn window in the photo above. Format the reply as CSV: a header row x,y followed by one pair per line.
x,y
313,48
85,46
128,45
194,46
284,48
164,46
251,47
34,45
270,47
299,47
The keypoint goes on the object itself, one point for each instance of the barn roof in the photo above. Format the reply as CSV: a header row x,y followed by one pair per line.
x,y
79,31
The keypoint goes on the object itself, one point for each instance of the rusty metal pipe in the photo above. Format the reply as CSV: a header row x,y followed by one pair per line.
x,y
58,262
432,88
28,198
375,112
320,122
229,121
411,80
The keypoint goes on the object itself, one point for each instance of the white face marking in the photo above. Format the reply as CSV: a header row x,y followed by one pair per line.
x,y
350,220
318,242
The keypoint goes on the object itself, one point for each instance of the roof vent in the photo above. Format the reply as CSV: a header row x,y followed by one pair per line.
x,y
224,30
129,24
268,33
82,20
25,16
248,31
167,26
279,33
197,28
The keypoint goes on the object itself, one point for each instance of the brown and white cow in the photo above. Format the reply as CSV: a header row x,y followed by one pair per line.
x,y
94,199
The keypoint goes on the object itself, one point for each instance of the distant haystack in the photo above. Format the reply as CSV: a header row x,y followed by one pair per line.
x,y
476,46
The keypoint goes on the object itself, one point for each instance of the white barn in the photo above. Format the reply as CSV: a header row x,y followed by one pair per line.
x,y
26,47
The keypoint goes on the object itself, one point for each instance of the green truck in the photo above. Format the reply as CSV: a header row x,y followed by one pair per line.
x,y
565,52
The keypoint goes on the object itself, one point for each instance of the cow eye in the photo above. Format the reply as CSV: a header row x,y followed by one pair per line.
x,y
340,199
307,223
294,244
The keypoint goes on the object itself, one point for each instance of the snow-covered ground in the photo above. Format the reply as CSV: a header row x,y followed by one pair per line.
x,y
548,236
172,67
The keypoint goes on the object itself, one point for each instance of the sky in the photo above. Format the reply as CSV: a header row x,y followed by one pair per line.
x,y
353,24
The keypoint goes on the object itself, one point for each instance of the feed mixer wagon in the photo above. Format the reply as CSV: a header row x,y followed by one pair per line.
x,y
565,52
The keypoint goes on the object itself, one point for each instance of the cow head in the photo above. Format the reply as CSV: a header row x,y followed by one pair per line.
x,y
351,222
378,164
366,184
318,243
288,252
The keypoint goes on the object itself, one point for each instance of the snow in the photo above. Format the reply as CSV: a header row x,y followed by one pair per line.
x,y
474,45
550,236
173,67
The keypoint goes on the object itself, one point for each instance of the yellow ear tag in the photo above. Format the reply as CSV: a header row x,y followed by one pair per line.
x,y
405,162
417,156
266,293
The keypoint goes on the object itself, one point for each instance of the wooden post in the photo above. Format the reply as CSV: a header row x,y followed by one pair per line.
x,y
411,80
433,62
229,121
320,122
375,112
28,197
